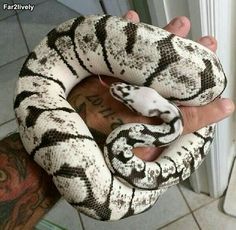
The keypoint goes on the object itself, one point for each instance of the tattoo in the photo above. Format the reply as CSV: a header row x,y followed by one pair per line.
x,y
106,112
96,100
81,109
26,191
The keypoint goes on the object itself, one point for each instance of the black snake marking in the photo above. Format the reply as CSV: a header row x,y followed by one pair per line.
x,y
115,184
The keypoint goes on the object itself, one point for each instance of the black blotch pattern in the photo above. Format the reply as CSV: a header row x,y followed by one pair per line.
x,y
136,175
43,61
189,48
101,34
207,77
130,211
131,33
102,210
54,35
52,136
34,113
168,56
22,96
25,72
207,82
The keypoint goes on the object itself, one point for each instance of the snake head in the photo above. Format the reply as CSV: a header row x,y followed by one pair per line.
x,y
144,100
124,93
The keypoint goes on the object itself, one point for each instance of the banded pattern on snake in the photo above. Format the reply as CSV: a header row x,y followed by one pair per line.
x,y
161,71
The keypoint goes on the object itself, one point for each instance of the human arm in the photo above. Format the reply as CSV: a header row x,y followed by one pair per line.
x,y
102,114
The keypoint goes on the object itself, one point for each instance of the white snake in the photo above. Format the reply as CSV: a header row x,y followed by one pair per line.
x,y
115,184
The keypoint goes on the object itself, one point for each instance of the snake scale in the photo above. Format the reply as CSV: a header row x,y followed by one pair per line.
x,y
159,71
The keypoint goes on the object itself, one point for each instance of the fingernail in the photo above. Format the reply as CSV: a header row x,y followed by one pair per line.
x,y
227,105
206,41
177,22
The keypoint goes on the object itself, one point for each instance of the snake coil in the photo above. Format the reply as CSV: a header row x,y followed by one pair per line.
x,y
161,71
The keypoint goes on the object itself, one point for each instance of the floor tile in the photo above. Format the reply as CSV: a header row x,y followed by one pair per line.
x,y
31,4
34,2
8,75
169,207
12,44
195,200
8,128
185,223
212,217
64,215
38,23
3,12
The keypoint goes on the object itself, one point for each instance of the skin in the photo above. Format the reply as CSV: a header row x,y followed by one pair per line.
x,y
27,192
194,117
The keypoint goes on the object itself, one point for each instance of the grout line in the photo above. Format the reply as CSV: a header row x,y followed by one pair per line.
x,y
12,15
5,122
173,221
196,221
36,4
81,221
10,62
8,15
184,198
22,31
70,8
202,206
193,210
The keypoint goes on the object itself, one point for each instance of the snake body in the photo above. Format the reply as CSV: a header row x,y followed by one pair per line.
x,y
161,71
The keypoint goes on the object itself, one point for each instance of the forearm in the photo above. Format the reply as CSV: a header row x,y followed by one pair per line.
x,y
26,191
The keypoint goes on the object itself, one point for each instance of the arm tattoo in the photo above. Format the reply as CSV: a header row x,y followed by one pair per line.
x,y
97,102
26,192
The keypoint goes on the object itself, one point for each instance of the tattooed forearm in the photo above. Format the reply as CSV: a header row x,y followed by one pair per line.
x,y
95,107
97,100
26,192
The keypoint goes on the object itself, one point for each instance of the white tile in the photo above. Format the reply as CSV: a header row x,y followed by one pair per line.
x,y
212,217
169,207
44,18
8,75
12,44
185,223
8,128
195,200
64,215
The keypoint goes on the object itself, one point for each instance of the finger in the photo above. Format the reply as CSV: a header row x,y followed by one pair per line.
x,y
209,42
198,117
179,26
132,16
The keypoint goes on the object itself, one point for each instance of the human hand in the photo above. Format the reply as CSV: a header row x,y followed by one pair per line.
x,y
102,113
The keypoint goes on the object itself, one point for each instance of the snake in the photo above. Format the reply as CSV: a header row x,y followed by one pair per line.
x,y
156,72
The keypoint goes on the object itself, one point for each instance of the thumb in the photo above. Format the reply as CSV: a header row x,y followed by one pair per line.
x,y
198,117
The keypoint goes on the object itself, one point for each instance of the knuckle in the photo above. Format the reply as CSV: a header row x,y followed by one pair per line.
x,y
191,119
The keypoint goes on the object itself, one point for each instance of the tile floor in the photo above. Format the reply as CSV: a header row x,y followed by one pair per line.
x,y
178,208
